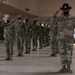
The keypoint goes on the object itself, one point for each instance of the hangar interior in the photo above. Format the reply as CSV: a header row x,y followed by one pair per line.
x,y
38,62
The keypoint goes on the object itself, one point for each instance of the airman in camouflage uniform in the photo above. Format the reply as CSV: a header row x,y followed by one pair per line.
x,y
53,38
20,29
34,29
8,38
27,36
47,36
44,36
41,30
53,35
66,25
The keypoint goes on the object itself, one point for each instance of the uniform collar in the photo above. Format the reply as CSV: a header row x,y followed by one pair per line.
x,y
66,16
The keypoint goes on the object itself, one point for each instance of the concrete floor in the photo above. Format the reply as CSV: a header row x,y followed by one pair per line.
x,y
36,63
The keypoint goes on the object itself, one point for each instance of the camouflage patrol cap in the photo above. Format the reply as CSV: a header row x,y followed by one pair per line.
x,y
65,7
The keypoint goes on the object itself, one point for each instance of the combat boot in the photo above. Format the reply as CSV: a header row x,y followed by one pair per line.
x,y
44,45
63,70
68,69
40,47
26,52
57,52
11,57
7,58
29,51
19,54
33,50
53,55
12,52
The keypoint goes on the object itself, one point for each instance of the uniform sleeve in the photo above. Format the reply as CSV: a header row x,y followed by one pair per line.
x,y
52,21
13,31
74,22
52,24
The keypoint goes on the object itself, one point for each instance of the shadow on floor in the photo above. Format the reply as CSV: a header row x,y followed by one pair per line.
x,y
47,73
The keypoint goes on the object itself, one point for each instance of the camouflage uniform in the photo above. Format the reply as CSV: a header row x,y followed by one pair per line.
x,y
8,39
34,29
44,36
27,37
20,29
47,36
65,36
41,30
53,36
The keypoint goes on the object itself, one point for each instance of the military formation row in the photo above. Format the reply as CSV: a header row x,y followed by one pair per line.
x,y
23,33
